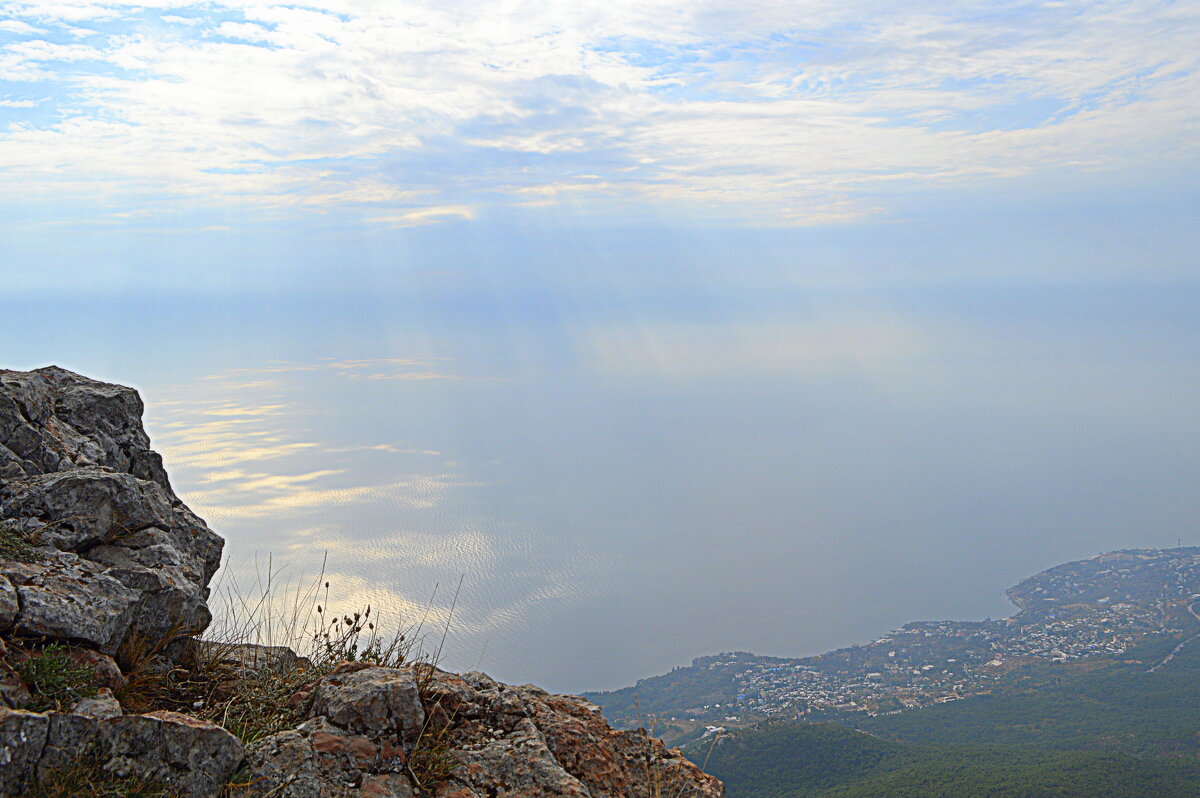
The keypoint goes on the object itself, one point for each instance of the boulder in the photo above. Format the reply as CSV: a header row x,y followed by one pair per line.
x,y
187,756
374,701
242,658
193,757
22,741
475,738
509,740
8,604
119,558
50,415
74,599
319,759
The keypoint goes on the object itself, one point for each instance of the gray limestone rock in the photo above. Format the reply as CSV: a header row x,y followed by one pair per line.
x,y
22,740
242,657
319,759
103,705
125,559
190,757
193,757
519,762
86,506
53,419
372,701
73,599
8,604
491,739
521,740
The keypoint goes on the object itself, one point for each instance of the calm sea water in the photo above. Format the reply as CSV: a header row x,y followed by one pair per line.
x,y
618,495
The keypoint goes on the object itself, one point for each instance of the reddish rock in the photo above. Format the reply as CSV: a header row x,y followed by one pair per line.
x,y
523,741
495,740
318,759
105,667
363,750
325,743
386,787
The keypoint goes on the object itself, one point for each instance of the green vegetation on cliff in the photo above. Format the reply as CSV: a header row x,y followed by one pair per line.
x,y
1103,728
818,760
1106,706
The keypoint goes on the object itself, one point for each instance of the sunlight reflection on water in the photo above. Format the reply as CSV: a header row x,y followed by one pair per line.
x,y
607,528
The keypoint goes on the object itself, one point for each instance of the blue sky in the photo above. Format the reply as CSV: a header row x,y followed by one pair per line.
x,y
769,315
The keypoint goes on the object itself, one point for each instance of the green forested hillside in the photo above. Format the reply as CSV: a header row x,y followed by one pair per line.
x,y
1107,729
828,761
967,773
799,759
1113,706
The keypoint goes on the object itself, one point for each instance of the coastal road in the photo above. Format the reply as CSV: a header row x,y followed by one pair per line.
x,y
1182,643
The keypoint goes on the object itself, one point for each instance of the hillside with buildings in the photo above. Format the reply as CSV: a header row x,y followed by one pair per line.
x,y
1091,611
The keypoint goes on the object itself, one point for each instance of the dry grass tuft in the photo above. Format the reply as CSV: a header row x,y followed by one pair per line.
x,y
252,700
257,700
664,776
86,776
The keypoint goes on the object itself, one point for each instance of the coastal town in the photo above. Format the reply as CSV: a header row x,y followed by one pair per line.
x,y
928,662
1100,607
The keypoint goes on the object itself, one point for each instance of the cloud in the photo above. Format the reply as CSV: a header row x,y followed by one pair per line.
x,y
280,496
423,216
17,26
382,368
423,113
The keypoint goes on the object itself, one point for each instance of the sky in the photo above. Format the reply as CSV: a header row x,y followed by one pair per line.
x,y
669,328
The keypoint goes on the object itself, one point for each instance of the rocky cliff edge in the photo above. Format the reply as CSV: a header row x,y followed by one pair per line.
x,y
104,577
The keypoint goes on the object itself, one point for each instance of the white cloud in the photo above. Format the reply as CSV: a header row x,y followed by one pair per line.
x,y
17,26
63,12
423,216
799,112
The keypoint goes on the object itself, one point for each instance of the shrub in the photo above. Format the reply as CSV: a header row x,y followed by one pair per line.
x,y
55,679
253,703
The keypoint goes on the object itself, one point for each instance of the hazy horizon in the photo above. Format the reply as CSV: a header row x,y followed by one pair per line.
x,y
615,517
